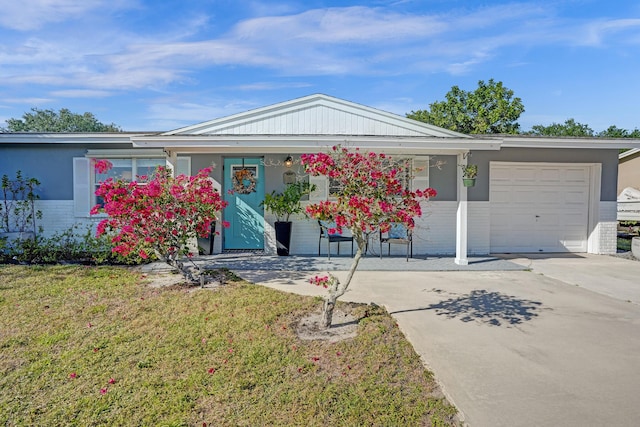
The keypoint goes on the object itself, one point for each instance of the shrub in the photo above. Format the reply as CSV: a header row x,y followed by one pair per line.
x,y
71,245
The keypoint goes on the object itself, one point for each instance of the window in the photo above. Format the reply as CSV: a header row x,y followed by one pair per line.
x,y
127,163
404,163
418,167
126,170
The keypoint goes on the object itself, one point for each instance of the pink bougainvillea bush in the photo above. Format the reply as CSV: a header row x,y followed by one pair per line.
x,y
370,192
160,214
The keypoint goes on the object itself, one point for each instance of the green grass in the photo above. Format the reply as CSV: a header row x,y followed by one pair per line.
x,y
624,244
92,346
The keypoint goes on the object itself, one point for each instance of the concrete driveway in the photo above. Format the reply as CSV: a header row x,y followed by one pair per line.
x,y
555,346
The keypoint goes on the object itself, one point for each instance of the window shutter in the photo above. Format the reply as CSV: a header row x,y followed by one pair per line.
x,y
322,187
81,187
420,173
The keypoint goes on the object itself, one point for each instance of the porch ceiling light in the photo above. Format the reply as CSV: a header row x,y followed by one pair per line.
x,y
288,162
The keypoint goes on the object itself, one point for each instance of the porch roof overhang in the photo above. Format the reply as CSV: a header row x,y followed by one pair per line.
x,y
298,144
516,141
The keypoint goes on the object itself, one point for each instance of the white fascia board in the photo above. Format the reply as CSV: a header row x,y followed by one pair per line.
x,y
304,143
66,138
593,143
628,153
125,153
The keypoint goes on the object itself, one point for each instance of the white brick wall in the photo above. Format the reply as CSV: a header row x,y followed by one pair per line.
x,y
57,216
479,228
435,232
607,228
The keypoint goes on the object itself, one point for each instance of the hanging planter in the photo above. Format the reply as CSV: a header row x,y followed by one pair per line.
x,y
469,174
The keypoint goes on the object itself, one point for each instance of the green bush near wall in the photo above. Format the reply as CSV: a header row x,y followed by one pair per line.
x,y
73,245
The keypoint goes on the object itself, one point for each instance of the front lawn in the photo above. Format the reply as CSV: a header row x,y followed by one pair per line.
x,y
98,346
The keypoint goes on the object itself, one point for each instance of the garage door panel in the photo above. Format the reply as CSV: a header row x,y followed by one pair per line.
x,y
577,175
547,175
539,208
501,174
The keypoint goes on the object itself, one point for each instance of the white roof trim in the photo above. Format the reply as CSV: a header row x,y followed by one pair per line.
x,y
66,138
628,153
558,142
222,125
304,143
125,153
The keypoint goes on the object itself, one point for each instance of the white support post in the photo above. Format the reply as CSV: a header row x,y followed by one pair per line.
x,y
172,162
461,216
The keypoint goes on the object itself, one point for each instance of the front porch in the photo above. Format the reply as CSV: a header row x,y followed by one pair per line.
x,y
251,261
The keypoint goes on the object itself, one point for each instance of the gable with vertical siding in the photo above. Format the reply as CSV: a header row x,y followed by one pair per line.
x,y
316,115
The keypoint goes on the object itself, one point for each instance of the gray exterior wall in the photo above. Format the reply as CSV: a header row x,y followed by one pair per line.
x,y
51,164
442,178
608,159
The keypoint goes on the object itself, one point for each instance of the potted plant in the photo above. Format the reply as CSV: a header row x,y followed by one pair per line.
x,y
17,211
469,174
283,205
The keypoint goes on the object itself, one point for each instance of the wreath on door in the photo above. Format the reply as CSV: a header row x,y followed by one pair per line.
x,y
244,182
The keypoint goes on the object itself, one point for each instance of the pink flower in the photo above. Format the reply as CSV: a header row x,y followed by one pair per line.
x,y
73,375
102,166
112,381
212,370
103,391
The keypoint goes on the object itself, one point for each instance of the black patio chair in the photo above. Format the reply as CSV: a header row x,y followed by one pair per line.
x,y
332,238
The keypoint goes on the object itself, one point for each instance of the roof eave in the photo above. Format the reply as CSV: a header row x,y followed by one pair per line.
x,y
66,138
304,143
592,143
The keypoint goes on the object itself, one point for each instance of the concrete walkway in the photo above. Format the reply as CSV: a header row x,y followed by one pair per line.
x,y
555,346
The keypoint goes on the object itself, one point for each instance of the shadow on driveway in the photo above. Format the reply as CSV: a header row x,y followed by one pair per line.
x,y
492,308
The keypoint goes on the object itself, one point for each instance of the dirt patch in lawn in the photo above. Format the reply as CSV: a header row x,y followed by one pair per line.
x,y
344,325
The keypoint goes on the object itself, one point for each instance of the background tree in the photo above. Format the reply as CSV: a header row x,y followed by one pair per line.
x,y
371,195
616,132
62,121
491,108
569,128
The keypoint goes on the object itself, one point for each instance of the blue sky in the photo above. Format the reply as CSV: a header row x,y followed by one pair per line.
x,y
158,65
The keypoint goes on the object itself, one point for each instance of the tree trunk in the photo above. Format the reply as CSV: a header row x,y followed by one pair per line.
x,y
173,261
338,289
327,311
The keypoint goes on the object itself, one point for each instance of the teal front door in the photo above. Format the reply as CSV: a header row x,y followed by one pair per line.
x,y
244,190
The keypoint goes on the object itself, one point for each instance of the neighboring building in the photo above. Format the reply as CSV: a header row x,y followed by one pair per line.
x,y
532,194
629,185
629,170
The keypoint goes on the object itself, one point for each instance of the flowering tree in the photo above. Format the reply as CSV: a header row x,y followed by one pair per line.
x,y
371,195
160,215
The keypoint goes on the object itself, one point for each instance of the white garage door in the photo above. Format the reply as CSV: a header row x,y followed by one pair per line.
x,y
539,207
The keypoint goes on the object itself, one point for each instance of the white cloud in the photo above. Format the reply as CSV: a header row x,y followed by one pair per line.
x,y
167,114
26,15
354,40
357,24
80,93
595,33
270,86
31,101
